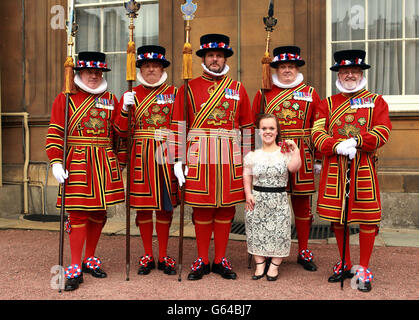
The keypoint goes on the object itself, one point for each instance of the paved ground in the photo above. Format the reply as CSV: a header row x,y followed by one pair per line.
x,y
28,256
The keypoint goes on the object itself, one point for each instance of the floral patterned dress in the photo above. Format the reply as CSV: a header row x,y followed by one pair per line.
x,y
268,225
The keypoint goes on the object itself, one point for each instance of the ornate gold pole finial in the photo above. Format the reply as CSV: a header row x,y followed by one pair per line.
x,y
132,8
270,23
188,10
72,29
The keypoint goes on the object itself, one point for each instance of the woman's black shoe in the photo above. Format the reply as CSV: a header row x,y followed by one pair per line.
x,y
73,283
274,278
257,277
269,278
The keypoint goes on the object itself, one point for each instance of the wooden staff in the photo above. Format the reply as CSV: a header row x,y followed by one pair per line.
x,y
345,217
69,88
132,8
270,23
188,9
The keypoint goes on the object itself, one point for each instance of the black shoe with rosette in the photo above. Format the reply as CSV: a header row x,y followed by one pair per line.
x,y
305,258
224,269
198,269
146,264
92,265
168,265
337,273
363,279
74,277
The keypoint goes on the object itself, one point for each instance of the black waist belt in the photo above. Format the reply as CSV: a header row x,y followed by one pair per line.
x,y
268,189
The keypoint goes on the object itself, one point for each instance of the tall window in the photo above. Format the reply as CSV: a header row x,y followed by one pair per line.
x,y
103,26
388,30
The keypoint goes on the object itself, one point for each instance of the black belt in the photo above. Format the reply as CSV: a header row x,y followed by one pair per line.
x,y
269,189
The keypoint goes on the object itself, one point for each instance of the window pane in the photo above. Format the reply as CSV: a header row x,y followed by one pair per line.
x,y
116,78
111,35
147,25
88,35
384,19
385,75
412,67
412,18
117,32
348,20
338,47
86,1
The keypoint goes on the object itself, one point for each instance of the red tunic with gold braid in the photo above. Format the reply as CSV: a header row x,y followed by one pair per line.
x,y
94,180
364,116
152,175
294,109
217,109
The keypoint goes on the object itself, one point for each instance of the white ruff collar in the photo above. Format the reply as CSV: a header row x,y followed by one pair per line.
x,y
154,85
215,74
99,90
360,86
295,83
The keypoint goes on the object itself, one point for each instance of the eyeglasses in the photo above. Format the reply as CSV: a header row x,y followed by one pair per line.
x,y
346,72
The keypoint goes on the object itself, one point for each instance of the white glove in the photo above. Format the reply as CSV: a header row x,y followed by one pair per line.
x,y
317,168
58,172
343,147
179,174
351,152
128,100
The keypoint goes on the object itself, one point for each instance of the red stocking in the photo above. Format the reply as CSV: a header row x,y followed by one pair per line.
x,y
366,243
95,225
144,221
222,226
302,213
204,221
77,235
163,221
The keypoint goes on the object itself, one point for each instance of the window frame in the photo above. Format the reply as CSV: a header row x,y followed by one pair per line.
x,y
397,103
102,4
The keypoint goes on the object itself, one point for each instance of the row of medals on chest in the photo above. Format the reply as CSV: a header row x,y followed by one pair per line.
x,y
158,116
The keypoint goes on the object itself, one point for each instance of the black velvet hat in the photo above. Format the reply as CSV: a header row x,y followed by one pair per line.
x,y
287,54
350,58
92,60
215,41
151,53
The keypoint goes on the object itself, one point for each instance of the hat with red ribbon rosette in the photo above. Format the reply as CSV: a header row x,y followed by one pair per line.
x,y
287,54
349,58
215,41
92,60
151,53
